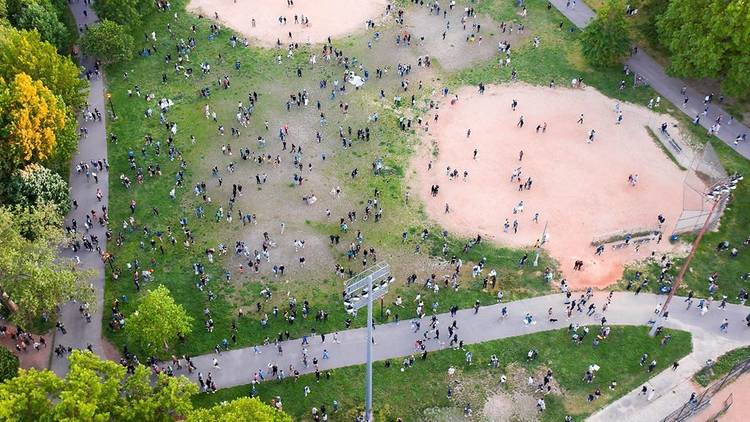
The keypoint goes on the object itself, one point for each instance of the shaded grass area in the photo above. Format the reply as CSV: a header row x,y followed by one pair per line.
x,y
423,386
722,366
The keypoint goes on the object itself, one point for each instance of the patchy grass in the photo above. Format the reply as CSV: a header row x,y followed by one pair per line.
x,y
722,366
409,393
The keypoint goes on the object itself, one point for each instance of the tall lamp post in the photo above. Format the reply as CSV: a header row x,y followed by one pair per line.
x,y
360,291
111,106
718,192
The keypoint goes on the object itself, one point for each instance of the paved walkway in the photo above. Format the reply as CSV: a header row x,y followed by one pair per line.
x,y
669,88
396,340
94,147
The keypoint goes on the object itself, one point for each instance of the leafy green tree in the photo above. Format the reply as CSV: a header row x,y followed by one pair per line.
x,y
242,409
709,38
28,396
24,52
33,280
95,390
605,41
8,364
109,41
158,321
42,16
37,184
124,12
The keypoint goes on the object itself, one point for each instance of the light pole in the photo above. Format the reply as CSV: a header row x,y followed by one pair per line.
x,y
111,106
541,243
361,290
718,192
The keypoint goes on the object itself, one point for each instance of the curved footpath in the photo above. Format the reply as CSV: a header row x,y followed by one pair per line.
x,y
669,88
396,340
80,334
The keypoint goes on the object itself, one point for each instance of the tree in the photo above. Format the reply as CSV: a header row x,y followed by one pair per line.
x,y
109,41
33,280
95,390
42,16
124,12
8,364
709,38
242,409
30,118
605,41
158,321
36,184
24,52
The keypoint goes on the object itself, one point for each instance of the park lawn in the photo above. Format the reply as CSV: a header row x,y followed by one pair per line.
x,y
408,394
173,268
558,58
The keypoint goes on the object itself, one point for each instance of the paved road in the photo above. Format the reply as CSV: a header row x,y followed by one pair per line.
x,y
94,147
668,87
396,340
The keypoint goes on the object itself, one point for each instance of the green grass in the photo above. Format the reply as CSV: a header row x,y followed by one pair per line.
x,y
722,366
408,394
558,58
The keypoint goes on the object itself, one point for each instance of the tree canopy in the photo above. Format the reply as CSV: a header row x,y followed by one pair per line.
x,y
41,15
123,12
25,52
31,116
709,38
8,364
33,280
605,41
108,41
95,390
158,321
242,409
103,390
36,184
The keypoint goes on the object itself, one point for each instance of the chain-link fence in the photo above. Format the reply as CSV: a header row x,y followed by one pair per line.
x,y
704,172
701,401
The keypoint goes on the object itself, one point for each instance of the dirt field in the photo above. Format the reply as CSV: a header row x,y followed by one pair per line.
x,y
739,390
580,189
332,18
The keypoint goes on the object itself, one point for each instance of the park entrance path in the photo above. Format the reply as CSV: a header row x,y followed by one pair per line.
x,y
669,88
80,334
396,340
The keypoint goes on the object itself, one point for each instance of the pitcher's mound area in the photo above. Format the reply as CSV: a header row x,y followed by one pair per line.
x,y
325,18
580,189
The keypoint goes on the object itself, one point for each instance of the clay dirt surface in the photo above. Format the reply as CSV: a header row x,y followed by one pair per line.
x,y
580,189
334,18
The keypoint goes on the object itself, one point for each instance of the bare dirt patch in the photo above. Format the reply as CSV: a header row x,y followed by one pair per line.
x,y
327,18
580,189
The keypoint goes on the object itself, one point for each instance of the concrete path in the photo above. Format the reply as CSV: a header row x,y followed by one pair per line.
x,y
669,88
94,147
397,340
